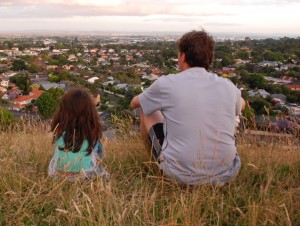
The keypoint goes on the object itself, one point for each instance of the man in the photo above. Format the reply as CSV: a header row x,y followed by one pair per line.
x,y
190,117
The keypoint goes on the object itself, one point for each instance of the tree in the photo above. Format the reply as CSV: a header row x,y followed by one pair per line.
x,y
19,65
33,67
249,115
291,98
4,101
271,56
46,104
56,92
6,118
234,79
260,105
48,101
137,91
35,86
64,75
223,48
22,81
53,78
257,80
242,55
9,44
61,60
42,88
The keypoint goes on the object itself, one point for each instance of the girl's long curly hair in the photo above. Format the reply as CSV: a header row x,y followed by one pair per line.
x,y
76,120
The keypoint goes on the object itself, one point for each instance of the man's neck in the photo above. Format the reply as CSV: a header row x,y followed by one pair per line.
x,y
185,66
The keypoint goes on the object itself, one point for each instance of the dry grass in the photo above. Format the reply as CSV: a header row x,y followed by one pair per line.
x,y
266,192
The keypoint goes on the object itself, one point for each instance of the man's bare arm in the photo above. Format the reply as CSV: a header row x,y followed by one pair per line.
x,y
135,103
243,103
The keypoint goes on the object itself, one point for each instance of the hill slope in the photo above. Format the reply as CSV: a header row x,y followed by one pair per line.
x,y
266,192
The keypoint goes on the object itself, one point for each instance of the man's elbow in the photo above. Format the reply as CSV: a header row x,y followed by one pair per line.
x,y
132,104
135,103
243,104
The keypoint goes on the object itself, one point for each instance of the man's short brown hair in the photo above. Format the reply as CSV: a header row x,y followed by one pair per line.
x,y
198,48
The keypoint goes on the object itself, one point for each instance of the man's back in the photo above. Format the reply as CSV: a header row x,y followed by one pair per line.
x,y
199,110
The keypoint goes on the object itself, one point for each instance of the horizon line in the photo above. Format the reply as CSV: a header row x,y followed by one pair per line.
x,y
273,34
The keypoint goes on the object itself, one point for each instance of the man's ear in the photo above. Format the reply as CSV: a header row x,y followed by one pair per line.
x,y
183,56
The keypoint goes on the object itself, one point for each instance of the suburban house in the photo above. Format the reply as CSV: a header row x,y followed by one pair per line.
x,y
260,92
4,83
107,83
2,89
156,71
294,86
56,51
128,57
269,63
150,77
13,93
49,67
3,67
72,58
278,81
92,80
96,98
287,78
121,86
20,102
278,99
294,110
240,61
226,73
48,85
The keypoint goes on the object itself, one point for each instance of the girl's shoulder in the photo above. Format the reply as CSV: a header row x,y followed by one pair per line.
x,y
60,141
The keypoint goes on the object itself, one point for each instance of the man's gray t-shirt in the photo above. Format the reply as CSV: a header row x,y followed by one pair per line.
x,y
199,110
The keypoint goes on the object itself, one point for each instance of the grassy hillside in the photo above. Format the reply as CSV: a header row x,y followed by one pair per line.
x,y
266,192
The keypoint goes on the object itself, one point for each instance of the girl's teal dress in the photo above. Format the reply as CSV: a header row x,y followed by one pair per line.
x,y
79,164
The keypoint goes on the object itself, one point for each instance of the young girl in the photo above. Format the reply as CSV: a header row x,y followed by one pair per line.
x,y
77,133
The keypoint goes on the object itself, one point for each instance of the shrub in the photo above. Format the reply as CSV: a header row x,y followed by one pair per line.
x,y
6,117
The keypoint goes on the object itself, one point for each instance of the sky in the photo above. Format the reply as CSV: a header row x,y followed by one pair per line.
x,y
239,16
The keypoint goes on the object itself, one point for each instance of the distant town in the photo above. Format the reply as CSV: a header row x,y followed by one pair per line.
x,y
36,69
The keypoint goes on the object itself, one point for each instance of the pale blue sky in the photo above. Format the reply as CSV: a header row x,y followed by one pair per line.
x,y
242,16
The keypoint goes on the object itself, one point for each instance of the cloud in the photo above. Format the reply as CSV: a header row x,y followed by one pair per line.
x,y
222,24
163,15
5,3
173,19
138,3
183,19
87,8
256,2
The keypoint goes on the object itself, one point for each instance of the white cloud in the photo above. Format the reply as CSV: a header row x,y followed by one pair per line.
x,y
67,8
219,15
86,2
70,8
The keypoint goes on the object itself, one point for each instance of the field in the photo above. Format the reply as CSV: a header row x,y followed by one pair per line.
x,y
266,192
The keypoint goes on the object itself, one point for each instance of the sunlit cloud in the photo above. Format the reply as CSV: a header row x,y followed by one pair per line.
x,y
222,24
68,8
242,15
85,2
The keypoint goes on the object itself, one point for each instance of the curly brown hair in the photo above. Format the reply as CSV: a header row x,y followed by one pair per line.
x,y
198,48
76,120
